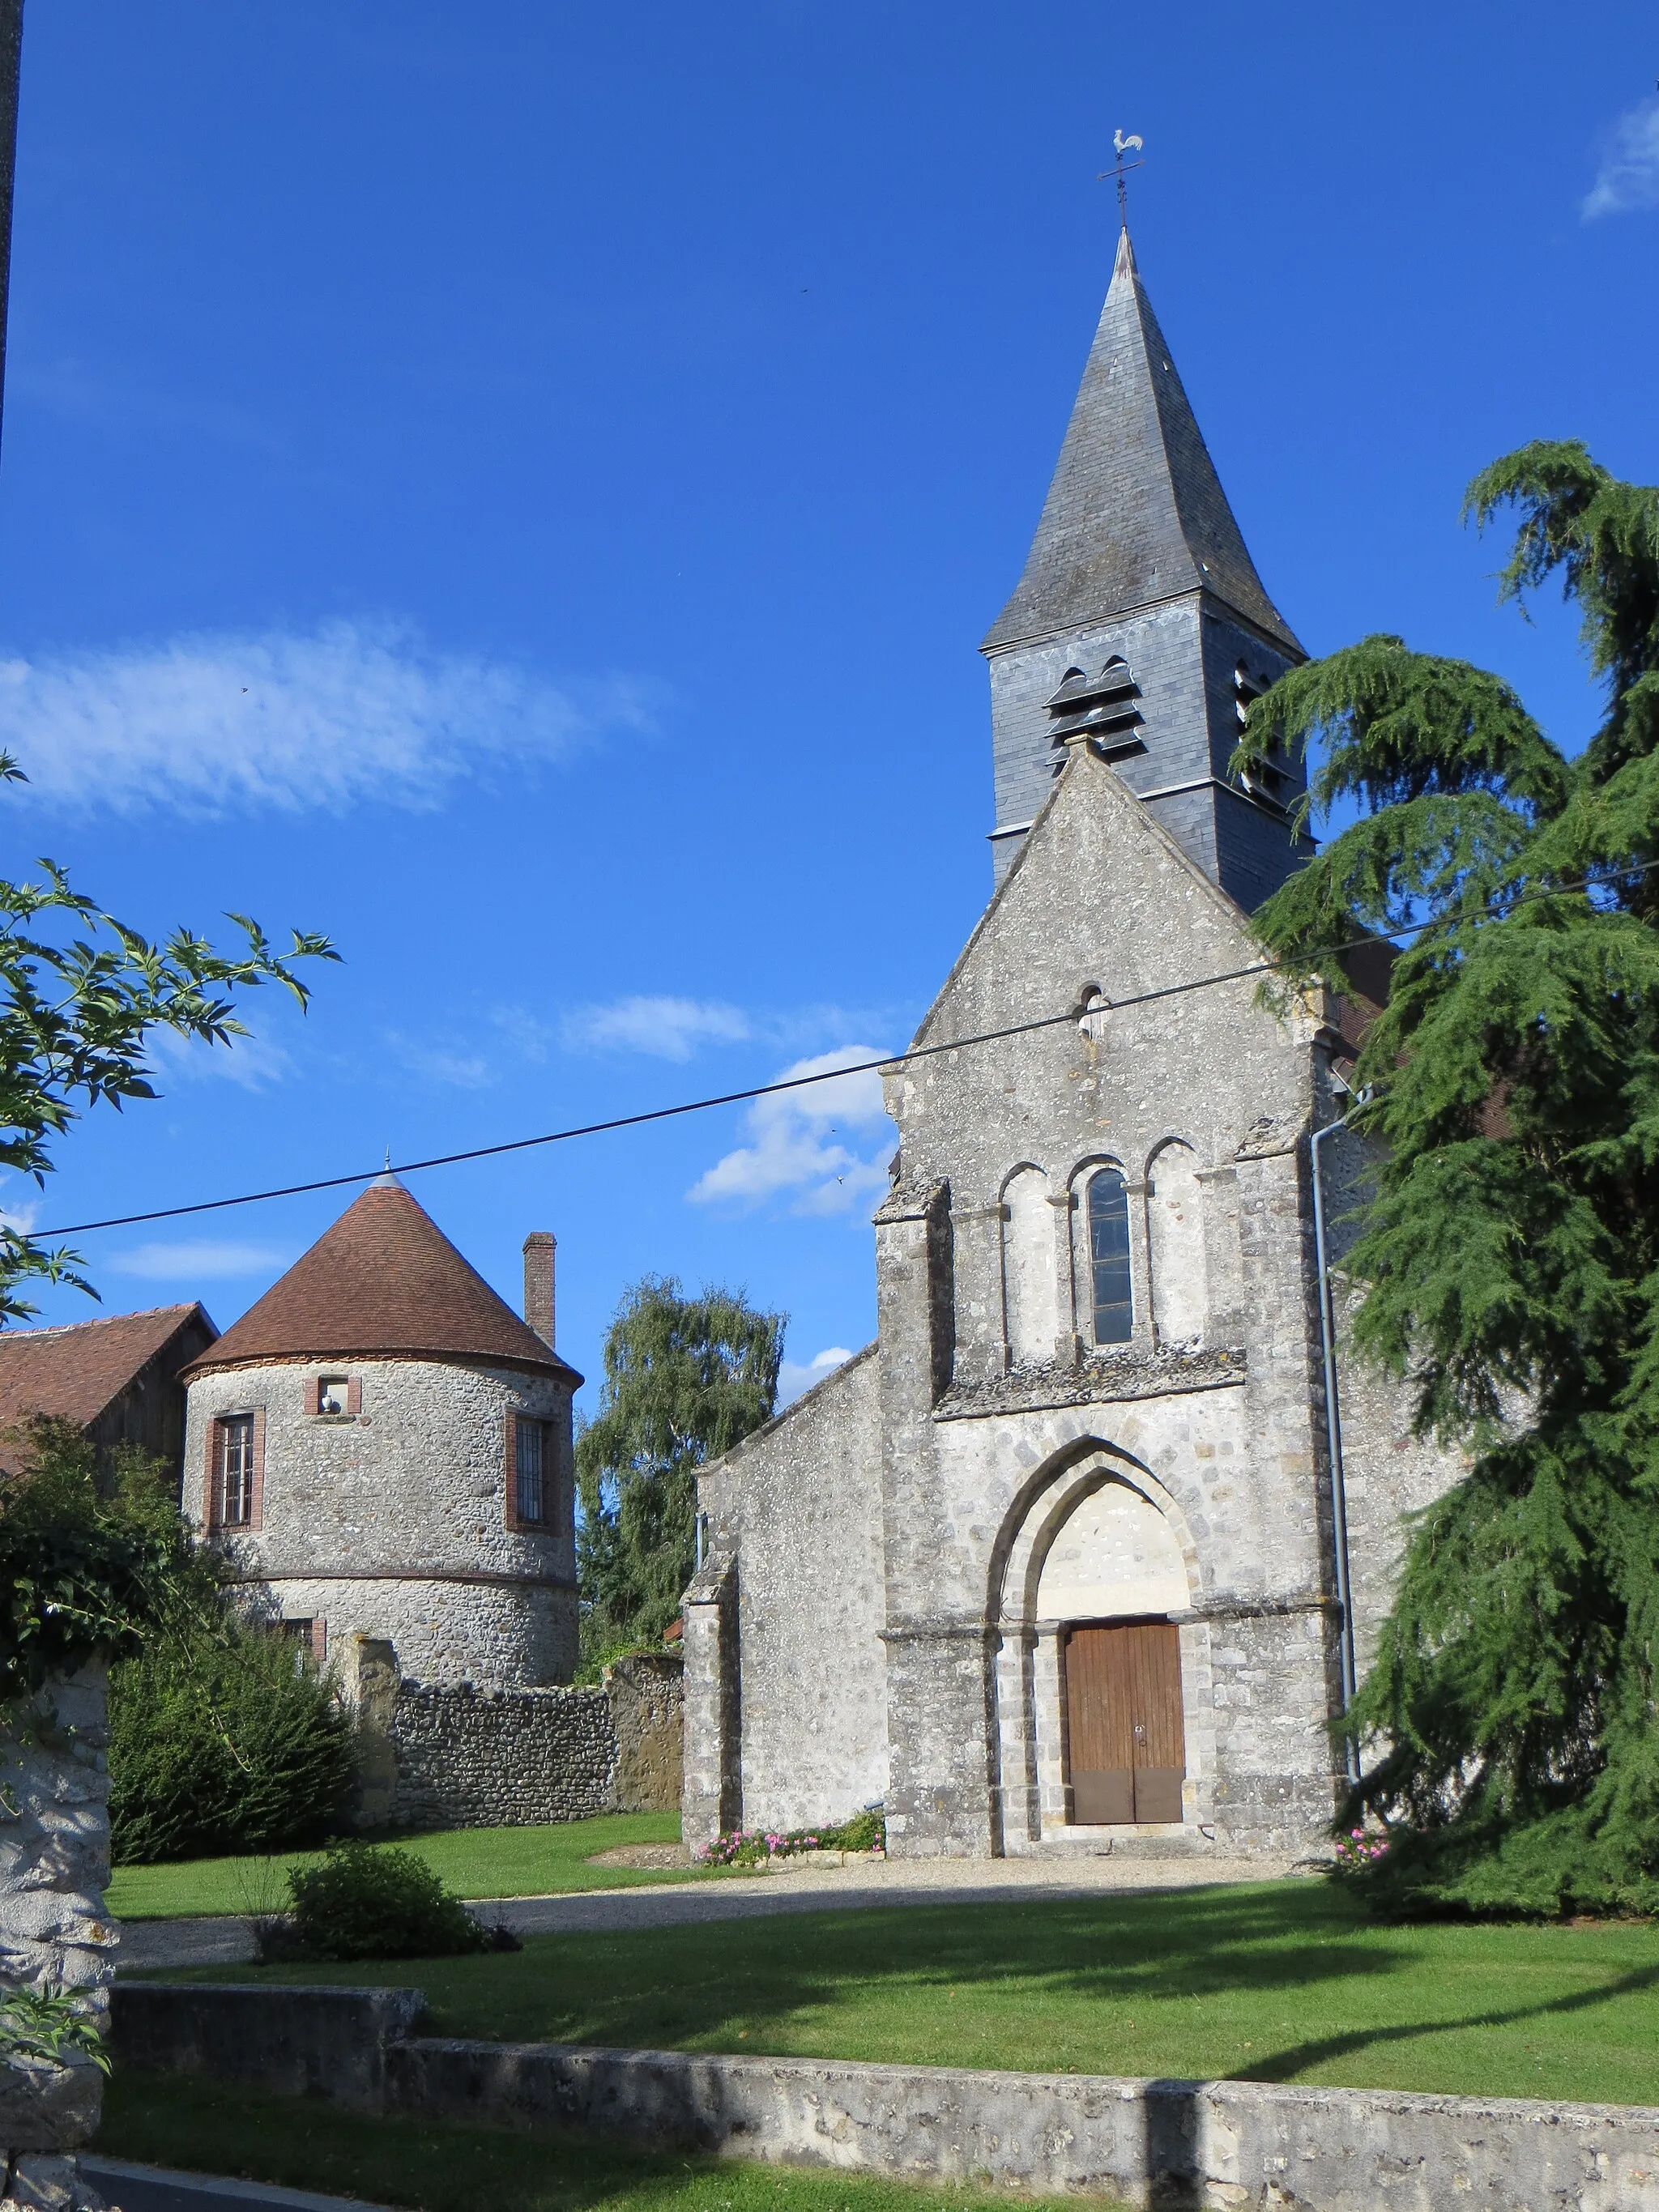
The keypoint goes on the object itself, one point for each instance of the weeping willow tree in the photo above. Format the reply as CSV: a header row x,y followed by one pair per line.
x,y
685,1378
1511,1251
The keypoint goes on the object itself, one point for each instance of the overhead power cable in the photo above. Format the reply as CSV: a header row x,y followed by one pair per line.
x,y
825,1075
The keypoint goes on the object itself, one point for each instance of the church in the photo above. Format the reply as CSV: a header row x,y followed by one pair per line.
x,y
1083,1552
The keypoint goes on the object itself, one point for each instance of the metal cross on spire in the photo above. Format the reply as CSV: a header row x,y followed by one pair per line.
x,y
1122,146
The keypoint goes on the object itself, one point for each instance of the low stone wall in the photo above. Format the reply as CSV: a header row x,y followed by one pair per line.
x,y
494,1759
1214,2145
451,1756
296,2042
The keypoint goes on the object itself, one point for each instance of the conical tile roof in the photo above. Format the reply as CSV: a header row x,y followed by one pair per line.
x,y
1135,512
384,1282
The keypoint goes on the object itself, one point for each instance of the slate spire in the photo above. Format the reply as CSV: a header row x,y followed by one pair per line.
x,y
1135,512
1139,625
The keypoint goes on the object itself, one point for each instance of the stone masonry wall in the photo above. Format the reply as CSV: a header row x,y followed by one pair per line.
x,y
498,1759
1229,2146
800,1504
1212,1410
451,1756
391,1522
647,1712
54,1837
54,1866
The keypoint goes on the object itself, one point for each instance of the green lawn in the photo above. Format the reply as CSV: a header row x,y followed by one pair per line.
x,y
1279,1982
304,2144
474,1861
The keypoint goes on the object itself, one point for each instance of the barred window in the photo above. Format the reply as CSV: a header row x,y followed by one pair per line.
x,y
529,1447
1109,1251
307,1636
236,1471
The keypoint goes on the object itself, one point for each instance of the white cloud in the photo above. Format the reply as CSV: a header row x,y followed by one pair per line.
x,y
796,1142
253,1062
794,1378
1628,177
525,1034
217,723
666,1028
201,1261
435,1063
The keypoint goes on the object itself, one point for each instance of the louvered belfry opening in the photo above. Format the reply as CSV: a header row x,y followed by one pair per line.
x,y
1273,782
1127,1741
1104,709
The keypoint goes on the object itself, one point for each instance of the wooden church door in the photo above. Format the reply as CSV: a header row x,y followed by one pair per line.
x,y
1128,1744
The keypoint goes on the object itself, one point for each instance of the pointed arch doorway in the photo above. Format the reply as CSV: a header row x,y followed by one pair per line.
x,y
1097,1543
1112,1576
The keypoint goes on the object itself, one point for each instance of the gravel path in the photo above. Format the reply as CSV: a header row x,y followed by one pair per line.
x,y
149,1944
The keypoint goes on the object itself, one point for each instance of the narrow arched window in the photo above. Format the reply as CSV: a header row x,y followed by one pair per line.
x,y
1109,1252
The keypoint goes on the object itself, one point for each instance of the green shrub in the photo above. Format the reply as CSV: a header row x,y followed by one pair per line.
x,y
865,1832
222,1741
375,1902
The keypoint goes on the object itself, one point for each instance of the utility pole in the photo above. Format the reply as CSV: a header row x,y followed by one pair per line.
x,y
11,55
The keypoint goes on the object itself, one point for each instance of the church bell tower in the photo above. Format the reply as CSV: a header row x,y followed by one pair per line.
x,y
1139,625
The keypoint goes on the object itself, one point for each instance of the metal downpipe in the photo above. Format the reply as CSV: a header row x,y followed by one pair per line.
x,y
1333,1435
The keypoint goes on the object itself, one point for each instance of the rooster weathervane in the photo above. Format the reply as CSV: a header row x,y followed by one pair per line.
x,y
1121,146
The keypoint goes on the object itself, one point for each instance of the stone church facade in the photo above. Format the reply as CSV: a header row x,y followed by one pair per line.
x,y
1056,1564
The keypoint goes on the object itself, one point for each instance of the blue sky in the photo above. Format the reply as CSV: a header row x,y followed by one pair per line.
x,y
520,489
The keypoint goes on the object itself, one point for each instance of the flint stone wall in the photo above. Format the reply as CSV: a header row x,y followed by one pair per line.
x,y
1168,2143
452,1756
391,1522
498,1759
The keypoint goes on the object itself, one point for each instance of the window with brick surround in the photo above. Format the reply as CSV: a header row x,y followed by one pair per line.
x,y
531,1474
235,1471
308,1636
529,1447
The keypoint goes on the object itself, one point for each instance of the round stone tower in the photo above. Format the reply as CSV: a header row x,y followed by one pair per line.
x,y
383,1448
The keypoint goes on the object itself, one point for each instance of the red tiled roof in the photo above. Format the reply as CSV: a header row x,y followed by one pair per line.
x,y
384,1282
74,1373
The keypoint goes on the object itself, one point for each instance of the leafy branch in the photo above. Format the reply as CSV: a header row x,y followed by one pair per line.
x,y
48,2024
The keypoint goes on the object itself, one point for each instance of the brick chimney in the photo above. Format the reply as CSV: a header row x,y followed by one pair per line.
x,y
539,1248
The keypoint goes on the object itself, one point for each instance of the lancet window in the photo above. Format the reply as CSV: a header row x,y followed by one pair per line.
x,y
1109,1254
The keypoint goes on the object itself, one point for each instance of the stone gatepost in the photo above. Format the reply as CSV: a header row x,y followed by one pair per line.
x,y
369,1680
54,1868
711,1803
